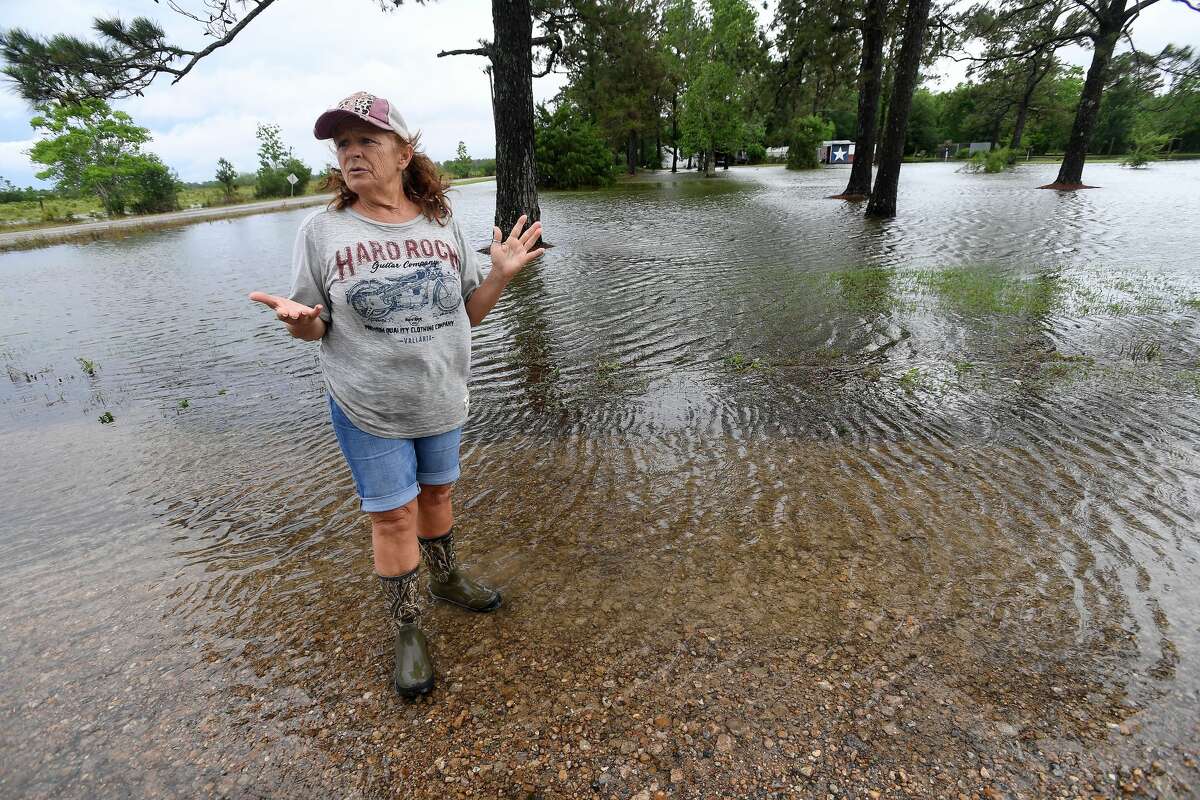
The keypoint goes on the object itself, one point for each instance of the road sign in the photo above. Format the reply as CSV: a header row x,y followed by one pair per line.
x,y
292,180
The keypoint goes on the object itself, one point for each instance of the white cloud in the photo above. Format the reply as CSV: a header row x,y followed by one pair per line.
x,y
14,164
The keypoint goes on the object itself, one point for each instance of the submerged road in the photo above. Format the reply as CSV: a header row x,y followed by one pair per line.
x,y
94,230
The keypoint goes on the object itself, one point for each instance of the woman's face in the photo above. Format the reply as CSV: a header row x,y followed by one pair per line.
x,y
372,160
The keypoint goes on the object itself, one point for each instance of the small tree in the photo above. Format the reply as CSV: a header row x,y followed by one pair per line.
x,y
570,151
155,185
807,135
275,161
88,148
462,163
227,177
1146,148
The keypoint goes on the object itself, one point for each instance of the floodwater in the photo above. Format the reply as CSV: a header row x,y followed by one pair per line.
x,y
783,502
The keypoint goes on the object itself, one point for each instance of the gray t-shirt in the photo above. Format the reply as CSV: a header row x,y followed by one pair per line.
x,y
397,348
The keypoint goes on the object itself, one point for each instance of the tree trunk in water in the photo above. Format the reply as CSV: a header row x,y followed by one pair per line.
x,y
891,151
1070,174
870,81
710,163
675,132
631,147
512,110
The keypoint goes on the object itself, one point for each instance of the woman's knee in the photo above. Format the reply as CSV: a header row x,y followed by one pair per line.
x,y
396,520
436,494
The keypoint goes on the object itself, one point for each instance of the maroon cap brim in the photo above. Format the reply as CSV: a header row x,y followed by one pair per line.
x,y
328,122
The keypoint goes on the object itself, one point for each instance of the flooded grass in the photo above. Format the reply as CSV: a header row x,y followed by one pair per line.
x,y
782,504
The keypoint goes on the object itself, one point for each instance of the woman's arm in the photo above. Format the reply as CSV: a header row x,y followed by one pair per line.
x,y
484,298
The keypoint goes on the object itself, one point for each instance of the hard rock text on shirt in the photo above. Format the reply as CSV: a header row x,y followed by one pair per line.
x,y
351,257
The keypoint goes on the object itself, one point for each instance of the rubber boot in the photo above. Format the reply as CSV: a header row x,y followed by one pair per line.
x,y
448,582
412,674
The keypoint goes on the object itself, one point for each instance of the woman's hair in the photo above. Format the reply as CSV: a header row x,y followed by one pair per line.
x,y
423,184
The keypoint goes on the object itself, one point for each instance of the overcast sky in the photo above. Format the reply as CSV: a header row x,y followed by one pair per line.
x,y
301,56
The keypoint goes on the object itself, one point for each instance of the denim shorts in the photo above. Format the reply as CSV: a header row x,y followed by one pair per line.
x,y
388,473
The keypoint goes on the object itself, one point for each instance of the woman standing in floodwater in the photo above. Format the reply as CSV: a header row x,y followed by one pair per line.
x,y
386,281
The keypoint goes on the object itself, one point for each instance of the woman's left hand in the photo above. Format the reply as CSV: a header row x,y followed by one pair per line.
x,y
511,255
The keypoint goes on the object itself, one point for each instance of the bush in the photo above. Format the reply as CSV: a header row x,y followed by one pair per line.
x,y
991,161
156,187
14,194
1146,148
569,151
273,182
807,135
756,153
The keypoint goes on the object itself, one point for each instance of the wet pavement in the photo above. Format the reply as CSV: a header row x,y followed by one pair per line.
x,y
784,503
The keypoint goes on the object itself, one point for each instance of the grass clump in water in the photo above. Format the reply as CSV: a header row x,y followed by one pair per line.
x,y
910,380
741,363
976,291
88,367
106,418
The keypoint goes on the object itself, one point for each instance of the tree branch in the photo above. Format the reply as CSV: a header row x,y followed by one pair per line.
x,y
485,51
224,40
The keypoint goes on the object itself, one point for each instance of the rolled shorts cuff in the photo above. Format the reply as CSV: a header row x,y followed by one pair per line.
x,y
389,501
439,478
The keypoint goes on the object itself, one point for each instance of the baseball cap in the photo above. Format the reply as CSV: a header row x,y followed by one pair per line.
x,y
361,106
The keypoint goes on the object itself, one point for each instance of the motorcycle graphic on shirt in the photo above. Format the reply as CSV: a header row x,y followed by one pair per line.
x,y
377,299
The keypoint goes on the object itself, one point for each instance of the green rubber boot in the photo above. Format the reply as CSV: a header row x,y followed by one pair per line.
x,y
448,582
412,673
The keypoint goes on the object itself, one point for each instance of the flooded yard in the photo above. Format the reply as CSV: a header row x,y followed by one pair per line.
x,y
783,503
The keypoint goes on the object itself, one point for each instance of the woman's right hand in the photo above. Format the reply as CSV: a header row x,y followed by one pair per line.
x,y
303,322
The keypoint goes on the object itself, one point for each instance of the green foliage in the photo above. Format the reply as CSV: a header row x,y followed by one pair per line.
x,y
806,137
570,151
9,193
156,186
461,166
227,177
617,70
995,160
756,153
275,162
923,133
723,75
1146,148
87,148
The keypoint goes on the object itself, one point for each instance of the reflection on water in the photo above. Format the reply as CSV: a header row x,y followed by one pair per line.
x,y
723,424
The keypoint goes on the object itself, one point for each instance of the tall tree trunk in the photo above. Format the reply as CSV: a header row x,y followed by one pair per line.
x,y
675,131
994,138
1036,74
710,162
1070,173
512,110
1019,125
891,151
631,148
870,81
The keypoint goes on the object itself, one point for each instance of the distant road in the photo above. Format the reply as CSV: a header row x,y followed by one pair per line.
x,y
97,230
